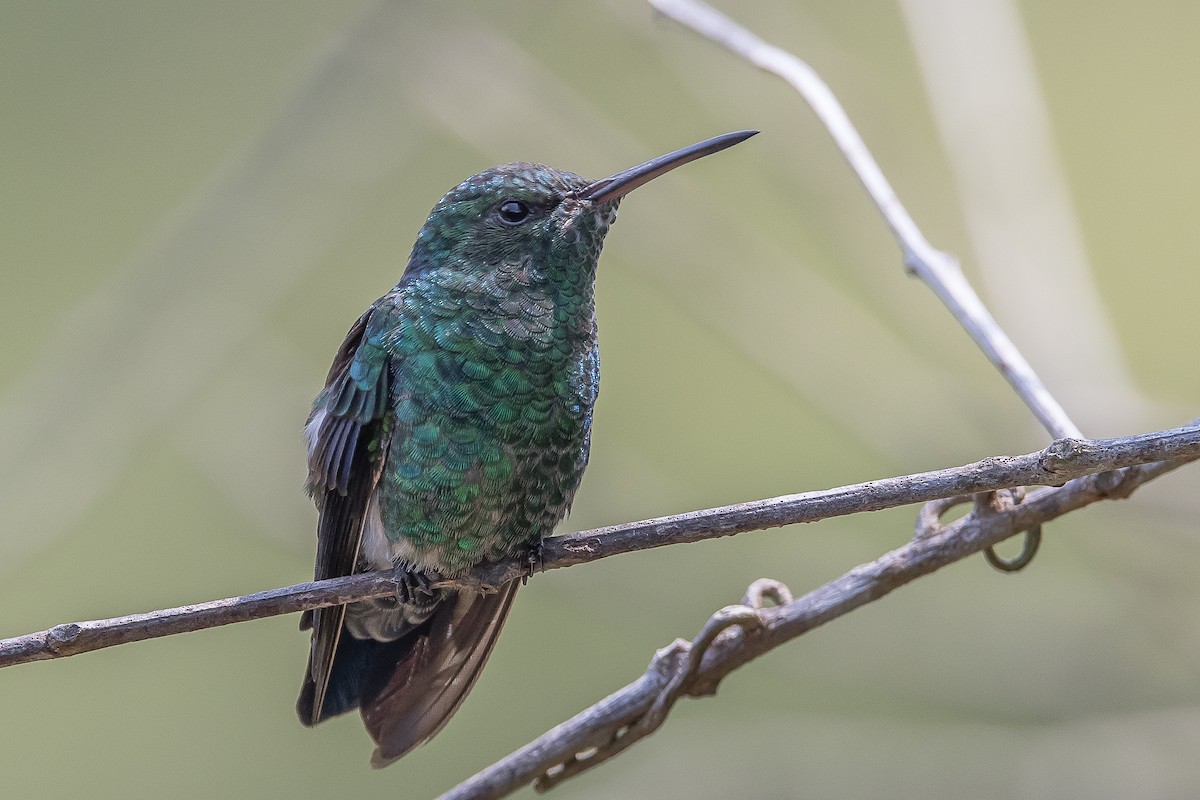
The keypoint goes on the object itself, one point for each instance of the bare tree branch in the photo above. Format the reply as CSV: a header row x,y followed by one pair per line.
x,y
1062,461
738,634
937,269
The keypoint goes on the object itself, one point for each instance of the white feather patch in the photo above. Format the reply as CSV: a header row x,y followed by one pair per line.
x,y
382,553
376,549
313,430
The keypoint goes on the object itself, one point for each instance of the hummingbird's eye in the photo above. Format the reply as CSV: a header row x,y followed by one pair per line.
x,y
513,212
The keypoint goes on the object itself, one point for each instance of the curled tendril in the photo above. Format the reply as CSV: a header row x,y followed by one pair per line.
x,y
1029,548
929,523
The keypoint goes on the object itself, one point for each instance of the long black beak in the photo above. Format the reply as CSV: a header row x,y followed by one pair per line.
x,y
624,182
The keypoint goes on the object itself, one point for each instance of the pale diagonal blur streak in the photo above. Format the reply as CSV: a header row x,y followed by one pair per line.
x,y
980,76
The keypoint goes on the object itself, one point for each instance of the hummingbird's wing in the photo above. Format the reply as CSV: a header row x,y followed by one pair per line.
x,y
344,461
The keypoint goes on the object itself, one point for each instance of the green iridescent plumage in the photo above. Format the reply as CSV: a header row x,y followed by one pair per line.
x,y
454,428
490,436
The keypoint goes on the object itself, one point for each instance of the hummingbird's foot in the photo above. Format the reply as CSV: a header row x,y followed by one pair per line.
x,y
413,587
535,562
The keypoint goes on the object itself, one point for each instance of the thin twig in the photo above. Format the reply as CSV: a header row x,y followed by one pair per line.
x,y
938,269
1060,462
72,638
739,634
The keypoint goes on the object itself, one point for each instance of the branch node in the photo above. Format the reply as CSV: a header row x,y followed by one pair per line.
x,y
997,501
60,638
1060,454
1116,484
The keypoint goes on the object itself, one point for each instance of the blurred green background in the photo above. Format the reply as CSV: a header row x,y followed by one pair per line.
x,y
199,198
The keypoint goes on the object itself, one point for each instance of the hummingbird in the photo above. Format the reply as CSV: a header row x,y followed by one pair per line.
x,y
453,430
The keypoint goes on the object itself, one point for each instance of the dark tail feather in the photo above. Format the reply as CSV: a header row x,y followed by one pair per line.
x,y
408,699
353,666
409,688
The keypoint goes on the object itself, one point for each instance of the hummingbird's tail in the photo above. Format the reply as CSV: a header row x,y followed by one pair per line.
x,y
409,688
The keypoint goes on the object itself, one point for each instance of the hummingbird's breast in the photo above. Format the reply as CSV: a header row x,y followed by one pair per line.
x,y
496,374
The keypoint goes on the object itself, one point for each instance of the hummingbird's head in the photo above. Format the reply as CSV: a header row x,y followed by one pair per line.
x,y
515,213
533,214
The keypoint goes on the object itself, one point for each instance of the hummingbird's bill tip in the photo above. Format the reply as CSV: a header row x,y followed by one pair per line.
x,y
617,186
741,136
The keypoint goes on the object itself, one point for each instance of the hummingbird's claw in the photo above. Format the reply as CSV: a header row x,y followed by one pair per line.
x,y
413,587
535,562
